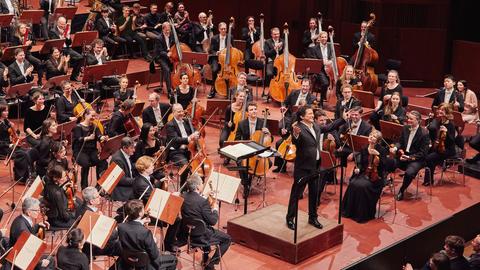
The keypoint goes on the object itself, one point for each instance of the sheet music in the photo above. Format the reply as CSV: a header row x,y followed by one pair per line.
x,y
111,178
28,252
227,186
35,189
238,150
157,202
101,231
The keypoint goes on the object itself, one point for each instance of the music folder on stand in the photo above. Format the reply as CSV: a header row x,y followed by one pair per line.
x,y
110,146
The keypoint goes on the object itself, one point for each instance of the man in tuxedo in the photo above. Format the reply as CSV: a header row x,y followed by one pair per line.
x,y
116,125
24,222
358,35
296,97
448,94
195,206
412,149
20,70
180,133
135,237
123,191
107,31
157,111
242,86
306,136
347,102
355,126
60,31
99,53
324,52
310,35
250,35
163,54
201,31
273,47
217,44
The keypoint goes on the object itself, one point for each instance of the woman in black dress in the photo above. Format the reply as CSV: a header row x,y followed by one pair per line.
x,y
23,37
57,64
66,103
363,192
5,125
393,111
183,93
34,117
40,154
71,257
348,77
59,156
84,145
122,94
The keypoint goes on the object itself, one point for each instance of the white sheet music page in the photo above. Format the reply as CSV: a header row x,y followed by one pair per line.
x,y
28,252
112,177
227,186
158,202
238,150
35,189
101,231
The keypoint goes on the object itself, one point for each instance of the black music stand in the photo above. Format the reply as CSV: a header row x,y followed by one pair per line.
x,y
195,58
67,12
84,37
64,130
390,131
116,67
55,81
110,146
5,21
49,44
308,65
17,91
138,109
33,16
9,53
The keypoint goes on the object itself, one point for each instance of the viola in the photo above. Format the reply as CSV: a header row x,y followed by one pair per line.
x,y
372,169
440,142
42,229
69,188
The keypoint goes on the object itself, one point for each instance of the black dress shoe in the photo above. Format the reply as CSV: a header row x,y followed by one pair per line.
x,y
399,196
290,224
314,222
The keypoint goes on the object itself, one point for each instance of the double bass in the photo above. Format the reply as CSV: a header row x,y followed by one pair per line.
x,y
229,59
365,57
338,63
176,58
258,48
281,85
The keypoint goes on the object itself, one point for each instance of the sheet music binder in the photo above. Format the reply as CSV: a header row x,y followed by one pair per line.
x,y
242,150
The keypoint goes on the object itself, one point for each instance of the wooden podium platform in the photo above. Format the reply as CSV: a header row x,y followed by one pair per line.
x,y
265,230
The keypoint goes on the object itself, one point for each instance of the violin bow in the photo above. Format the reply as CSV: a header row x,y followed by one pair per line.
x,y
64,237
15,208
140,198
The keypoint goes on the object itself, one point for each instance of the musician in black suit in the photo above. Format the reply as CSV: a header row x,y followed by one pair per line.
x,y
144,183
180,133
162,52
347,102
196,207
358,35
273,47
242,86
71,256
310,35
355,126
157,111
296,97
22,37
3,77
107,31
324,52
306,135
134,237
58,213
20,70
99,54
217,44
8,7
116,125
123,191
48,7
448,94
57,64
412,150
202,30
250,35
24,222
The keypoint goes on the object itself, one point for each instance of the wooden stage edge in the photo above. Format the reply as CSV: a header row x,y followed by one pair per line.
x,y
254,230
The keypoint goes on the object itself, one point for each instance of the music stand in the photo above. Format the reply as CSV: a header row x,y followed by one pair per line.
x,y
5,21
308,65
55,81
33,16
138,109
50,43
195,58
116,67
9,53
67,12
84,37
110,146
365,97
94,73
17,91
391,131
65,129
219,104
358,142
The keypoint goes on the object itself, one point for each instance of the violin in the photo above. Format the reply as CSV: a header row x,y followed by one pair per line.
x,y
229,59
256,164
69,188
372,169
365,57
286,80
211,200
42,229
439,143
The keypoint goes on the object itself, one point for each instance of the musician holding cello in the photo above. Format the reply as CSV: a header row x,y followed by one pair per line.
x,y
366,183
324,52
273,48
250,34
217,44
84,144
233,115
163,54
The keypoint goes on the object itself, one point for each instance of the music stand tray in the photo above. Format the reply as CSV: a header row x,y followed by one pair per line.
x,y
32,15
242,150
116,67
308,65
49,44
5,20
195,58
138,109
359,142
94,73
110,146
65,129
19,90
390,130
84,37
213,104
67,12
9,53
55,81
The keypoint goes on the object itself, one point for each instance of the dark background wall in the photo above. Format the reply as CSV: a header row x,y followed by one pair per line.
x,y
420,33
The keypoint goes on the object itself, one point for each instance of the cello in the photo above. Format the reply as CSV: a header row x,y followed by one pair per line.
x,y
338,63
236,118
365,57
286,79
196,111
258,48
258,166
228,58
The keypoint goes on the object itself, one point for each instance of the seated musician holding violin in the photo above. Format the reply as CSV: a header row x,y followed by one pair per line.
x,y
20,70
135,237
60,207
85,136
347,101
411,150
157,113
355,126
123,93
448,94
24,37
367,181
123,191
163,54
180,132
28,221
66,103
116,126
324,52
442,136
93,202
295,98
393,111
40,153
58,156
183,93
98,54
195,206
217,44
144,184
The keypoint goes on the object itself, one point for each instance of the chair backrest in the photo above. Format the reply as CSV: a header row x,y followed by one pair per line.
x,y
135,259
195,226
